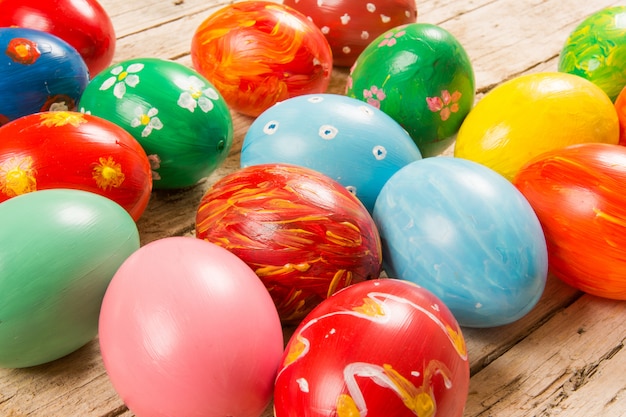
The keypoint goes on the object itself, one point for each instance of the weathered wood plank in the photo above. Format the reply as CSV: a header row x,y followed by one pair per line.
x,y
592,391
552,363
485,345
154,13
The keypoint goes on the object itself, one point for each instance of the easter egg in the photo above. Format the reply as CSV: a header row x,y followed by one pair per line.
x,y
178,117
65,246
84,24
354,143
188,329
465,233
596,50
350,26
258,53
303,233
421,76
620,108
38,72
74,150
579,195
531,114
383,347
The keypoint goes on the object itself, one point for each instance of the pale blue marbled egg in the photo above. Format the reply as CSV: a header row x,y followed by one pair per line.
x,y
464,232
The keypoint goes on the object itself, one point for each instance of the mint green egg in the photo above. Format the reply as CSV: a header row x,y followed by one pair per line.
x,y
179,118
596,50
59,249
421,76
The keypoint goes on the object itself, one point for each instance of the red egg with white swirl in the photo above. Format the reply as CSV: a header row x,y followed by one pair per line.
x,y
383,347
64,149
304,234
349,26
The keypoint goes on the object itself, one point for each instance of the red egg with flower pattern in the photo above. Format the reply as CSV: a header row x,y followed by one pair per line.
x,y
74,150
349,26
579,195
383,347
304,234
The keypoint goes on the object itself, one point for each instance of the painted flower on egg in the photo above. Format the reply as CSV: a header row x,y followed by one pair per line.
x,y
23,51
445,105
390,38
17,176
196,93
146,119
108,173
121,78
57,119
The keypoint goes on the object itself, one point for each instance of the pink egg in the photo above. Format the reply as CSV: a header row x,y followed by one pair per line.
x,y
188,329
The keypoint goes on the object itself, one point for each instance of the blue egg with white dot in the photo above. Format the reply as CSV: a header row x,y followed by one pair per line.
x,y
464,232
346,139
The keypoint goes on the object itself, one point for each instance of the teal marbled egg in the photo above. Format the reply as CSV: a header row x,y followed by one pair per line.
x,y
178,117
421,76
596,50
60,249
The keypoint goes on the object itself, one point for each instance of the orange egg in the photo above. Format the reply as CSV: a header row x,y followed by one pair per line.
x,y
579,195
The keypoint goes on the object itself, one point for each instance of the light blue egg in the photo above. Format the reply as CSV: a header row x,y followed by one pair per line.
x,y
464,232
344,138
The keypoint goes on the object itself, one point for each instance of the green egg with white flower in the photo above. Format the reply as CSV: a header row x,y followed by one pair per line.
x,y
179,118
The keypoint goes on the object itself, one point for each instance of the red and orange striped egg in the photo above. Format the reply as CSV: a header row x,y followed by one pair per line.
x,y
304,234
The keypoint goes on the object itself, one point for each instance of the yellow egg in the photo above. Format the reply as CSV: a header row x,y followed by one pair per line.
x,y
532,114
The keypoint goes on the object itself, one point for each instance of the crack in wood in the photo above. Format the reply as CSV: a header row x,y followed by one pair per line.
x,y
6,399
616,397
116,412
578,379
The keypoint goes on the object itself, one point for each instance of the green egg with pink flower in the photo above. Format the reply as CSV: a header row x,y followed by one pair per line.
x,y
421,76
180,119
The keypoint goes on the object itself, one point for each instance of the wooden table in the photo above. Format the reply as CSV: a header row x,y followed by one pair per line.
x,y
565,358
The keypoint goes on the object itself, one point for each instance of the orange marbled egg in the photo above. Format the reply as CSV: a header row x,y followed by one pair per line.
x,y
257,53
579,195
